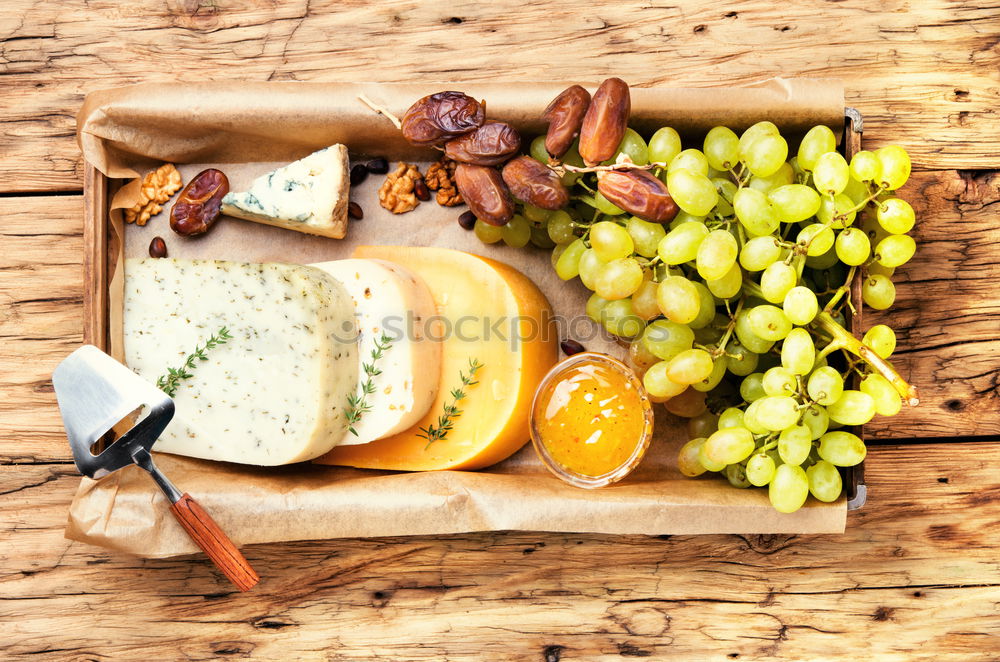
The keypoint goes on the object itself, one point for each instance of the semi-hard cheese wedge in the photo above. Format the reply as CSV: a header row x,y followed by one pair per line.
x,y
396,361
493,314
309,195
276,392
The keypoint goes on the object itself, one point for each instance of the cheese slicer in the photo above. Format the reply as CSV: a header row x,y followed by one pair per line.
x,y
96,394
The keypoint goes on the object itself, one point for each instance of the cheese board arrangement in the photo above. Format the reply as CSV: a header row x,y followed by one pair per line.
x,y
653,295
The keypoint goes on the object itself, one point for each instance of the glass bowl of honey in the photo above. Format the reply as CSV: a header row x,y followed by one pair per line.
x,y
591,420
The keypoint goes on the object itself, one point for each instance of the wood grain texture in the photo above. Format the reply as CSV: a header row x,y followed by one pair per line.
x,y
924,74
914,578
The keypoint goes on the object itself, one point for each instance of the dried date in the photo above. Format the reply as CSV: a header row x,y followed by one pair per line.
x,y
198,205
565,117
489,145
638,193
485,192
534,183
605,122
439,117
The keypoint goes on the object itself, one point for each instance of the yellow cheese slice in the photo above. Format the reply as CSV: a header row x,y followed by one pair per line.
x,y
489,312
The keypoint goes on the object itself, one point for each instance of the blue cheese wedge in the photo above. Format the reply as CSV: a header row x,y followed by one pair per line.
x,y
394,308
309,195
276,392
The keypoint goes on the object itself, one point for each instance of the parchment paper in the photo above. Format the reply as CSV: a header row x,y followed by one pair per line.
x,y
247,129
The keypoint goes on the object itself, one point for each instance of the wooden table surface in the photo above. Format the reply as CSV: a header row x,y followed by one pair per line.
x,y
916,575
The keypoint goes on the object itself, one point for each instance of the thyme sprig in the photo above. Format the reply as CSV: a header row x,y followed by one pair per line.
x,y
357,404
169,382
446,421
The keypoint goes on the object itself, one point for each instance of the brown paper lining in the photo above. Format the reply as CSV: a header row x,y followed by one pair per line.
x,y
245,130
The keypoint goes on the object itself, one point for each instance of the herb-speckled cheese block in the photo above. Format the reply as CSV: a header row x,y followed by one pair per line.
x,y
309,195
276,392
393,301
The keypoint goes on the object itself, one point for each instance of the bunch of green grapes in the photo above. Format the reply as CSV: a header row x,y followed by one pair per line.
x,y
735,311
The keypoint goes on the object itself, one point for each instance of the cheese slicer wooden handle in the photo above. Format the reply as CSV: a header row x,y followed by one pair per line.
x,y
214,542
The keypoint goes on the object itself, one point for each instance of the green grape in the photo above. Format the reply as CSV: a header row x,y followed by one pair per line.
x,y
722,148
856,191
818,141
644,301
536,214
706,313
842,448
640,356
681,244
748,337
714,377
690,366
873,229
887,399
788,489
646,236
794,202
878,291
777,281
538,151
595,307
678,299
664,145
800,305
895,166
895,250
896,215
818,237
658,385
540,237
486,233
610,241
755,212
716,254
709,463
731,417
517,232
817,420
702,425
769,323
824,481
688,404
756,131
881,339
853,408
798,353
865,166
633,146
666,339
729,446
750,420
794,444
853,247
736,474
691,160
777,412
779,381
752,387
687,458
692,191
831,173
837,213
783,176
741,361
557,253
707,335
822,262
876,268
825,386
729,285
621,320
760,470
590,265
568,264
759,253
605,206
684,217
764,154
560,227
618,279
726,190
573,158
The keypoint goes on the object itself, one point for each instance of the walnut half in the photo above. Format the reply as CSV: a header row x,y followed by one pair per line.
x,y
396,193
156,188
441,178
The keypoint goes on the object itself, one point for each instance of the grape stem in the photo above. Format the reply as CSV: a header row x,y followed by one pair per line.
x,y
381,111
841,291
842,339
721,347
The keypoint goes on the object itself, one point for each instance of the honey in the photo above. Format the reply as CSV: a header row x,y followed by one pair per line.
x,y
591,420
